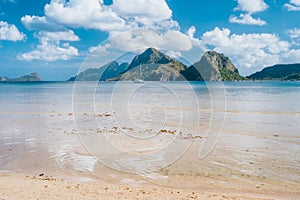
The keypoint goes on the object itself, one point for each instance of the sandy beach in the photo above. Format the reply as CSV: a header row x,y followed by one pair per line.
x,y
20,186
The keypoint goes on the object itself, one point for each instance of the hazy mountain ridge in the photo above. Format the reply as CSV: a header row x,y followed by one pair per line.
x,y
153,65
108,71
278,72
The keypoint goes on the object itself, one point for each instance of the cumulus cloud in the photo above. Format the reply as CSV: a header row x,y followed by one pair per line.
x,y
10,32
50,47
50,34
147,13
294,33
247,50
171,40
82,13
293,5
68,35
48,51
291,56
250,7
246,19
41,23
152,9
119,16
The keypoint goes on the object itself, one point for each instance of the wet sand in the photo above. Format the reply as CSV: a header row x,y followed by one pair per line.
x,y
246,170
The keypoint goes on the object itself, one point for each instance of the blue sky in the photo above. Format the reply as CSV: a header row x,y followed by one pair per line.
x,y
54,37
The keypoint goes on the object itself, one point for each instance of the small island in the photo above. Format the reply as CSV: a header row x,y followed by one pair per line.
x,y
288,72
33,77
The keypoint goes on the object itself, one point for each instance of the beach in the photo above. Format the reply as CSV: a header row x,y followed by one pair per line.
x,y
45,155
20,186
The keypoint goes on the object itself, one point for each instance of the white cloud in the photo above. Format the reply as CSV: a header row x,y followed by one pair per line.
x,y
246,19
49,51
57,36
41,23
294,33
129,16
100,49
191,31
250,7
171,40
151,9
293,5
50,35
120,16
291,56
148,13
216,37
10,32
50,47
86,14
247,50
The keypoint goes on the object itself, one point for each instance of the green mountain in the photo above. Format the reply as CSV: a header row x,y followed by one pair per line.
x,y
154,65
214,66
33,77
278,72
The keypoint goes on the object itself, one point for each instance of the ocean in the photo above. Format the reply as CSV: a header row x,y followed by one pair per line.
x,y
154,130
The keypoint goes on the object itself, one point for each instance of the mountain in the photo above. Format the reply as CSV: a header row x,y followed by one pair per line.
x,y
33,77
278,72
107,71
153,65
214,66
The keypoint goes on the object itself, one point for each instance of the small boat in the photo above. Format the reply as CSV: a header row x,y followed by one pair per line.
x,y
138,81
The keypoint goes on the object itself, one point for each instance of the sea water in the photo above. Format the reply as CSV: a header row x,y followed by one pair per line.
x,y
59,127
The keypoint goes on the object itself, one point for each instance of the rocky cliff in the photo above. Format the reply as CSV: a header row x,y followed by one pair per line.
x,y
153,65
214,66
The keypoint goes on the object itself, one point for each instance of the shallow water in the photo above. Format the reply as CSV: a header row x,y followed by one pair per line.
x,y
143,127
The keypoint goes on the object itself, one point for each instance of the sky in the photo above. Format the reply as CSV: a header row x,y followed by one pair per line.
x,y
54,37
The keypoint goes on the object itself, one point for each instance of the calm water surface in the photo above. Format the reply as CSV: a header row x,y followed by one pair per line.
x,y
260,124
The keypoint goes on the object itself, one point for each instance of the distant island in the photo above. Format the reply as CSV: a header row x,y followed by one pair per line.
x,y
154,65
33,77
290,72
